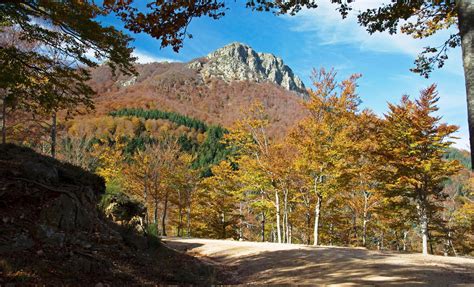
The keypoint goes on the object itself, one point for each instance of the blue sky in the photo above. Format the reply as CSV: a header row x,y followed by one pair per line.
x,y
319,38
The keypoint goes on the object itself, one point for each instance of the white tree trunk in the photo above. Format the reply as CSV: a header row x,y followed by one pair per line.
x,y
277,205
285,217
317,213
423,218
405,236
241,223
424,232
365,219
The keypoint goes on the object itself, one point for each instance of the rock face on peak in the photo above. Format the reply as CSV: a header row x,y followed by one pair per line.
x,y
239,62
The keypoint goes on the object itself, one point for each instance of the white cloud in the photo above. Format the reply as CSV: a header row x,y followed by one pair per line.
x,y
145,58
324,26
142,57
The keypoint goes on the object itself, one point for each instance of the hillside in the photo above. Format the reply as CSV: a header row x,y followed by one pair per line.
x,y
52,232
215,89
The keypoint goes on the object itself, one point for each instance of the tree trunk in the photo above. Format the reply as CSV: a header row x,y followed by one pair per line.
x,y
180,214
262,232
277,205
405,236
4,121
331,232
53,135
223,225
163,218
188,215
308,226
424,230
317,212
188,223
466,30
354,227
364,220
155,212
381,240
290,234
241,222
307,233
451,243
285,216
431,243
145,197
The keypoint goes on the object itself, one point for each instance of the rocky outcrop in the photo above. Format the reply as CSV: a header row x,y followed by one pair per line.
x,y
239,62
52,231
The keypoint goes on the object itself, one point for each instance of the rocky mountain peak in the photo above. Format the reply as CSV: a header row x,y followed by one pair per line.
x,y
239,62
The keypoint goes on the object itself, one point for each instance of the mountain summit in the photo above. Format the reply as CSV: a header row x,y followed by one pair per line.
x,y
239,62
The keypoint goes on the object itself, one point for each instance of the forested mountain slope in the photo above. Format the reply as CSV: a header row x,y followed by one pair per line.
x,y
206,93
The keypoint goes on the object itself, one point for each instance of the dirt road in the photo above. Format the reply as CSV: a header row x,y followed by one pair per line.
x,y
272,263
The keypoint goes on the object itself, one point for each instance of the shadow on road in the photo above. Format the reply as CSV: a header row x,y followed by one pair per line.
x,y
327,265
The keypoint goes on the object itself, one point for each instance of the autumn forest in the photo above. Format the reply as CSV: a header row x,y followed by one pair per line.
x,y
166,150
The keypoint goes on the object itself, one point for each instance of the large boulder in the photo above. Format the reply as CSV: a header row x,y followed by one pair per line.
x,y
124,210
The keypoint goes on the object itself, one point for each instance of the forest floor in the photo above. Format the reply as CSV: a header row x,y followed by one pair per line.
x,y
273,263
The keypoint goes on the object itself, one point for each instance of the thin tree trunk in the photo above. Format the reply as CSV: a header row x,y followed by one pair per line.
x,y
308,223
277,204
163,218
145,197
188,216
331,229
4,121
53,135
263,221
272,234
354,227
466,30
381,241
364,220
431,243
155,212
317,213
290,234
180,214
188,228
285,216
241,222
451,243
223,225
405,235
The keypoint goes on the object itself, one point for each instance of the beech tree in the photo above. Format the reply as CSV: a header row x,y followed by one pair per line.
x,y
250,139
323,138
413,144
422,19
220,198
364,194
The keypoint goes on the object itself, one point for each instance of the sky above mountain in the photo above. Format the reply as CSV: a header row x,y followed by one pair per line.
x,y
320,38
